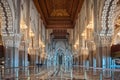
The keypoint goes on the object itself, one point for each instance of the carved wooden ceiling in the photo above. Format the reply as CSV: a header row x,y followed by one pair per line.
x,y
59,14
60,34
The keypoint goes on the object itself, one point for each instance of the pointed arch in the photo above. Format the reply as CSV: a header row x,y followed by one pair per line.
x,y
60,48
6,18
59,44
108,17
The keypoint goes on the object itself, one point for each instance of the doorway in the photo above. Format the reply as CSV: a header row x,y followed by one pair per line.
x,y
60,59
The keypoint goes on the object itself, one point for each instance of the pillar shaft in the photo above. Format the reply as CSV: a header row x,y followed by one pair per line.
x,y
91,58
106,58
99,56
11,55
23,58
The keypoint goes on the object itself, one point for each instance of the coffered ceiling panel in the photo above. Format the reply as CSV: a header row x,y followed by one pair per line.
x,y
58,12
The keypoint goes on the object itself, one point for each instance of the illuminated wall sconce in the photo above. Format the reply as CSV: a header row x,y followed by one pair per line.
x,y
31,34
84,34
118,33
42,44
90,25
23,25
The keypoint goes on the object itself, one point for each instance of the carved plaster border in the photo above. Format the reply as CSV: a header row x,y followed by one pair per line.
x,y
7,18
108,18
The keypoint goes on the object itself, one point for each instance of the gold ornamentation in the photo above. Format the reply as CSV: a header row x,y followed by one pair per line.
x,y
59,12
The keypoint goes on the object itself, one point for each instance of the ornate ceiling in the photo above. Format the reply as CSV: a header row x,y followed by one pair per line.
x,y
58,13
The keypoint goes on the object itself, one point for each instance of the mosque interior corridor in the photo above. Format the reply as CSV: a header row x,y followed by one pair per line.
x,y
59,39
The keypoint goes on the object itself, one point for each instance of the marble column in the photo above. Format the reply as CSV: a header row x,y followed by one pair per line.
x,y
90,53
32,55
90,61
98,55
11,55
97,58
37,56
91,58
23,55
11,58
39,60
36,60
81,60
23,58
106,58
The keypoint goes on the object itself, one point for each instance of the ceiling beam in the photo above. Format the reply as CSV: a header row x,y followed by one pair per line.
x,y
59,18
55,26
60,22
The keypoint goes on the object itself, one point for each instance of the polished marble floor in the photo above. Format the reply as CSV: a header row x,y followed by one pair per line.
x,y
59,73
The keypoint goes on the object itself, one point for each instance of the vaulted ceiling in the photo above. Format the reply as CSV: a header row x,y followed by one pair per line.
x,y
59,15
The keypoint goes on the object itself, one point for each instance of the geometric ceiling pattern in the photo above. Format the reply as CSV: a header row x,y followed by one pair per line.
x,y
59,15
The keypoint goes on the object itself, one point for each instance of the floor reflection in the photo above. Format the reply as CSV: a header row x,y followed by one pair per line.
x,y
59,73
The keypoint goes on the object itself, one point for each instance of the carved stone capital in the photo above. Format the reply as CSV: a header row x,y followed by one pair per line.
x,y
12,41
105,40
97,39
22,48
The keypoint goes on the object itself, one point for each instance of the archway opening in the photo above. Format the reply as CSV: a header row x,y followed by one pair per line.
x,y
60,57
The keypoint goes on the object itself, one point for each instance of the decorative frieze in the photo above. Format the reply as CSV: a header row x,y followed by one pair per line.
x,y
12,41
105,40
24,45
107,17
110,19
104,15
22,48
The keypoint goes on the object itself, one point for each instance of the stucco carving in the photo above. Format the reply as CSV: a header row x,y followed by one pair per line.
x,y
12,41
107,18
7,19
